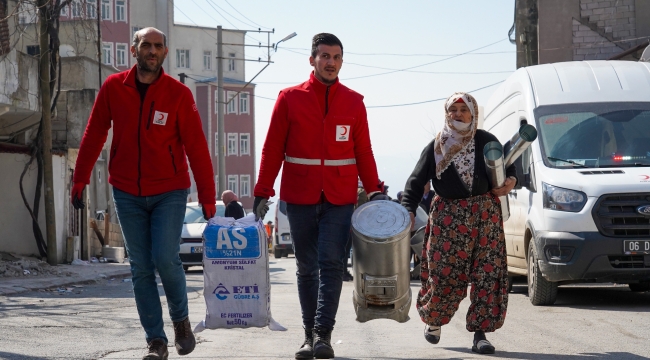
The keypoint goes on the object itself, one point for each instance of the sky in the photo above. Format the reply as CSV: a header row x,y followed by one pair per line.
x,y
394,53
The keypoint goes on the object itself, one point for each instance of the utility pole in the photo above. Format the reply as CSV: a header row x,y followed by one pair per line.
x,y
46,99
221,150
182,77
526,20
99,45
221,104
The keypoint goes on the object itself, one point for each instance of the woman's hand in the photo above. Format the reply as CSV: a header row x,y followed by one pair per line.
x,y
506,188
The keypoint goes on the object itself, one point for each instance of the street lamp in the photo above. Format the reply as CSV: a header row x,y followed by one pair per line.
x,y
290,36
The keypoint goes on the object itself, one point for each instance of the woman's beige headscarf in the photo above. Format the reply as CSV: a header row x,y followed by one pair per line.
x,y
452,138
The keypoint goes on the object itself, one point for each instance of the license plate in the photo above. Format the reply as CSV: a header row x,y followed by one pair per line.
x,y
633,247
197,249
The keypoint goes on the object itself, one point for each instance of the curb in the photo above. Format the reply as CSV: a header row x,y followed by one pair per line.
x,y
49,282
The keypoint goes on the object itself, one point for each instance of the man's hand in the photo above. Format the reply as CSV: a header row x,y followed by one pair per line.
x,y
209,210
76,195
506,188
412,215
260,208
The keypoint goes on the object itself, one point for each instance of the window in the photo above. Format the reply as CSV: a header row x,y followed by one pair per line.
x,y
216,144
244,144
243,103
183,59
232,183
33,50
207,60
107,10
120,10
107,53
244,185
216,102
91,9
26,13
231,62
232,105
76,9
134,30
64,10
120,54
232,144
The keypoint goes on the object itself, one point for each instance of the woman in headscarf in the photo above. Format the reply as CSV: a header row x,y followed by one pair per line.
x,y
464,239
233,209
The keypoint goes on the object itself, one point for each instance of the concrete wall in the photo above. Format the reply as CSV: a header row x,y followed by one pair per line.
x,y
81,72
555,28
19,81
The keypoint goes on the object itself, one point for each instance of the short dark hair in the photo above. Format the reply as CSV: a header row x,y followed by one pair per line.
x,y
325,39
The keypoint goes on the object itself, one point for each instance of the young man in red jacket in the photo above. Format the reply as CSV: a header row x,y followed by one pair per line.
x,y
319,129
155,125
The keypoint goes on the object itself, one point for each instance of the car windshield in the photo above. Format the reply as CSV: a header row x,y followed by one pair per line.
x,y
194,214
595,135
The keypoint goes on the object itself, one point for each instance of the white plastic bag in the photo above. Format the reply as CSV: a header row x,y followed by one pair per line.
x,y
237,288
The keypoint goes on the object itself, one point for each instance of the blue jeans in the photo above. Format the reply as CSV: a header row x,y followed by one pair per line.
x,y
152,227
320,233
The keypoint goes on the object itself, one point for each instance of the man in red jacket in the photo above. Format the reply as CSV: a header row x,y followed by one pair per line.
x,y
319,129
155,125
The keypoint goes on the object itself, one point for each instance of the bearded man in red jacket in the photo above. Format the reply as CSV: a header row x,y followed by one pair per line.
x,y
319,129
155,125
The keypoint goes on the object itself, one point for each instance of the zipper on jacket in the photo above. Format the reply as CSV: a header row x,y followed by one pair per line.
x,y
173,162
327,93
149,118
140,148
110,162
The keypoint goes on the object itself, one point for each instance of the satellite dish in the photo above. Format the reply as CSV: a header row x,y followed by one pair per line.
x,y
66,50
646,54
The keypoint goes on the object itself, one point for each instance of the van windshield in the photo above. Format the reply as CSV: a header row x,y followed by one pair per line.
x,y
595,134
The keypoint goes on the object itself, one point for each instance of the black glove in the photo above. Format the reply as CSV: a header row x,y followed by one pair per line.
x,y
260,208
378,196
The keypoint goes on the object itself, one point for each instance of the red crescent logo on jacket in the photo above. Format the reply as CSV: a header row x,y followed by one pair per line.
x,y
342,132
160,118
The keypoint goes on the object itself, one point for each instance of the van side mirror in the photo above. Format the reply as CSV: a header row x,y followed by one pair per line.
x,y
529,180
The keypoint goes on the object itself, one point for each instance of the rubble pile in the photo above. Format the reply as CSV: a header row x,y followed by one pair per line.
x,y
17,266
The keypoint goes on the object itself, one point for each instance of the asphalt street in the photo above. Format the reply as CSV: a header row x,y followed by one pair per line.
x,y
99,321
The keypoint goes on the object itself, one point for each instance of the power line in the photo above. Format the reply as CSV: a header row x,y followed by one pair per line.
x,y
416,71
428,101
429,63
227,13
420,55
265,27
233,25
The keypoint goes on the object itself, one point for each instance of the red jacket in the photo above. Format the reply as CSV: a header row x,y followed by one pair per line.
x,y
150,138
321,133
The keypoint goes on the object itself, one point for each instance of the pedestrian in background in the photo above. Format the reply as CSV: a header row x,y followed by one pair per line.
x,y
464,240
320,130
427,198
155,126
233,209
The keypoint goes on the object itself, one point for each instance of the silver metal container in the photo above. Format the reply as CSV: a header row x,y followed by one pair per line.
x,y
113,254
520,141
493,154
380,238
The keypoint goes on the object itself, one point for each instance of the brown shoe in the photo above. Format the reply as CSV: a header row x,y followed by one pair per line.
x,y
183,337
157,350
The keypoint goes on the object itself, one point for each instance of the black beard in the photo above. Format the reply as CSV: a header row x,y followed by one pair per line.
x,y
145,68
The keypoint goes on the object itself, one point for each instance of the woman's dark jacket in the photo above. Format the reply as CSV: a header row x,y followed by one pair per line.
x,y
234,210
449,185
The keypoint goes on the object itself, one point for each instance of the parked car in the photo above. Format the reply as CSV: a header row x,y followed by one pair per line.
x,y
581,209
281,233
192,235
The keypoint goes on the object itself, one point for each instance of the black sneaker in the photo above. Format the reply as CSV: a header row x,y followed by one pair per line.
x,y
432,333
483,347
322,346
183,337
307,349
156,350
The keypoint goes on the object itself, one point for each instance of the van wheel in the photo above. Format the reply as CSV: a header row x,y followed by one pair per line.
x,y
639,287
277,253
540,291
185,267
510,280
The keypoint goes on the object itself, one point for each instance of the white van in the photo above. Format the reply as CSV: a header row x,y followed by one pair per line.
x,y
281,232
581,209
